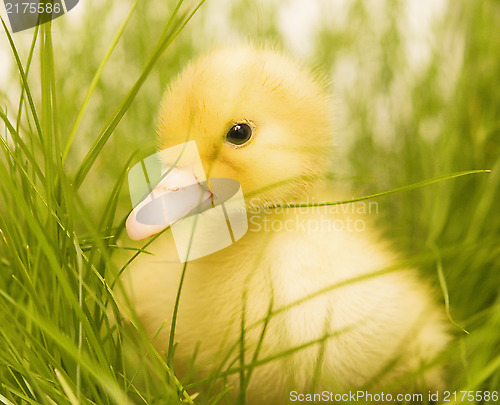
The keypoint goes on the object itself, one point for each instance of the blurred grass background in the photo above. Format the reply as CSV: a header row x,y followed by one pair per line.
x,y
417,95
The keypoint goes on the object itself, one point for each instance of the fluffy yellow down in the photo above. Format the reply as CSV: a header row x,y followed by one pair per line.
x,y
378,327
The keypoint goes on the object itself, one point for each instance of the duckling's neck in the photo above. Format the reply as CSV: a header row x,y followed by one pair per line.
x,y
305,191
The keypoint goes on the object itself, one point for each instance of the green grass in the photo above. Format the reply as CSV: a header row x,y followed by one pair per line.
x,y
63,197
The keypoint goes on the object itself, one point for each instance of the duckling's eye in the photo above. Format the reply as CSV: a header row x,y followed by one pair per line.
x,y
239,134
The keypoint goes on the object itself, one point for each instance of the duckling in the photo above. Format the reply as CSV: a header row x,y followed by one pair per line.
x,y
306,288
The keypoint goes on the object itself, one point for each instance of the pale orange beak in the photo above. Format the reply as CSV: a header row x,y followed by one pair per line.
x,y
176,195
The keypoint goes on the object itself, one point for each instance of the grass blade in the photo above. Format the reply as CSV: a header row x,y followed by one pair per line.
x,y
95,81
169,34
413,186
24,79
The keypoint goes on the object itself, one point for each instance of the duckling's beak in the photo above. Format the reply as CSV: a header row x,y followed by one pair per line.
x,y
178,194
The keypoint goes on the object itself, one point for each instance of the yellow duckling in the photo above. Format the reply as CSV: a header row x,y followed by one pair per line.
x,y
259,118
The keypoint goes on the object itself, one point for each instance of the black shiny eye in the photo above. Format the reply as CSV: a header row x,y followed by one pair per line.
x,y
239,134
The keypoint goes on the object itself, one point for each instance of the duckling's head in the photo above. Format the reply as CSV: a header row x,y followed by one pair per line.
x,y
256,117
